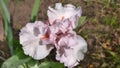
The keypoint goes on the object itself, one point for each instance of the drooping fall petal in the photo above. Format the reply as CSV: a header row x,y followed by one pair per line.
x,y
72,51
31,38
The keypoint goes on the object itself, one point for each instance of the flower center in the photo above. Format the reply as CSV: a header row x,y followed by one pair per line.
x,y
63,17
43,37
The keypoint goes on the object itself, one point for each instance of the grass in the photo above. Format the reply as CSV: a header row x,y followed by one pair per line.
x,y
110,20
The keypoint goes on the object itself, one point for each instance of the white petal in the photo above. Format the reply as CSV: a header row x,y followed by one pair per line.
x,y
80,48
69,6
71,62
54,14
61,13
35,50
42,51
58,6
74,51
26,34
31,42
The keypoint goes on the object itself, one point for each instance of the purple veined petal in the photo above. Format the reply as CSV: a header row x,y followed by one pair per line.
x,y
34,41
73,21
67,39
67,58
66,26
62,26
73,52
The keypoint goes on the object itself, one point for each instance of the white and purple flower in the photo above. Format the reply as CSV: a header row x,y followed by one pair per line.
x,y
71,50
32,38
38,39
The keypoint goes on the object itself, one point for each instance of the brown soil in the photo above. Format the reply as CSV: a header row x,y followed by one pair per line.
x,y
97,33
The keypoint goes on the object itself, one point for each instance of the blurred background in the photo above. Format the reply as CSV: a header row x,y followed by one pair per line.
x,y
101,28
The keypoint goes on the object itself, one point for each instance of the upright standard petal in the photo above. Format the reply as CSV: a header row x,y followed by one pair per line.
x,y
32,37
62,13
72,51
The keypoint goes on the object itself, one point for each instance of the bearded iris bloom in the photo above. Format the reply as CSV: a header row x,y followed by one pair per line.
x,y
39,38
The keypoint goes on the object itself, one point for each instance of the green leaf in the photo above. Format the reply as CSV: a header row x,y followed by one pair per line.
x,y
6,24
81,21
4,10
6,2
15,61
25,66
35,10
30,64
51,65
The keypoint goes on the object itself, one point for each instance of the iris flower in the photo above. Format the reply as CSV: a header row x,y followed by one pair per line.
x,y
34,40
38,39
60,13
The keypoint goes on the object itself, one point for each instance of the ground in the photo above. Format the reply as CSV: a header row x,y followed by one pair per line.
x,y
101,29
